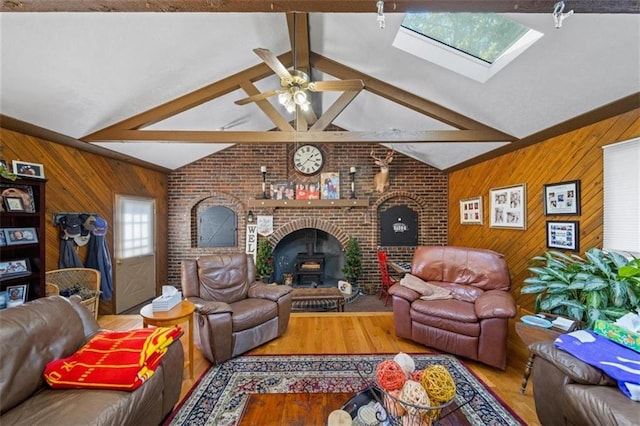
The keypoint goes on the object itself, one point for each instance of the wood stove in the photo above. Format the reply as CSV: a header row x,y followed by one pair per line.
x,y
309,269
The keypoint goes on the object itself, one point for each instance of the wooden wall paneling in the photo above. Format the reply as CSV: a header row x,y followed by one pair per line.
x,y
575,155
85,182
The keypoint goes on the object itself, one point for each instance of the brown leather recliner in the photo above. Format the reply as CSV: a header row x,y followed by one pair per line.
x,y
474,322
234,312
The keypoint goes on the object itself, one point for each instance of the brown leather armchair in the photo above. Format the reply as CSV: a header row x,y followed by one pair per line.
x,y
234,312
473,323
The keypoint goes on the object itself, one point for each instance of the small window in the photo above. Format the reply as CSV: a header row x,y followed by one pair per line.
x,y
476,45
622,197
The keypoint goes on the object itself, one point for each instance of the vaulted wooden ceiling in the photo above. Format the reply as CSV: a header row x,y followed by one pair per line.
x,y
457,127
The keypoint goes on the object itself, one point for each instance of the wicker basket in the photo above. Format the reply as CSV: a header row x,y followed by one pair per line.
x,y
86,280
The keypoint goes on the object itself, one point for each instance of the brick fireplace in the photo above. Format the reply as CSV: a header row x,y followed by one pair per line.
x,y
231,177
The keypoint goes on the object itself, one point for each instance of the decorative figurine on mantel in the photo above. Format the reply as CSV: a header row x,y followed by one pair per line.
x,y
381,179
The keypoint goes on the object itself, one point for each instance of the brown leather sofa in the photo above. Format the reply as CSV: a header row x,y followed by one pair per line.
x,y
474,322
568,391
234,312
33,334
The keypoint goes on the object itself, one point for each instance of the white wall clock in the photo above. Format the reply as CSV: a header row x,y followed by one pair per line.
x,y
308,159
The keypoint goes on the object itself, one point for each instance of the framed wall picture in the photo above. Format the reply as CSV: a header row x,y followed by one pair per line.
x,y
13,204
16,295
17,236
563,235
562,198
508,207
22,168
471,211
14,267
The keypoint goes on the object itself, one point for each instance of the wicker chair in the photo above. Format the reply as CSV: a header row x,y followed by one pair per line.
x,y
83,281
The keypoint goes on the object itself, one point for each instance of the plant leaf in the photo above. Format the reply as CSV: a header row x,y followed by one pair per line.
x,y
557,287
594,299
553,301
596,283
535,288
596,257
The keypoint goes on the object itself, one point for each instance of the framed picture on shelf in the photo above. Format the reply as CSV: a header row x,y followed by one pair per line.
x,y
16,295
471,211
508,207
308,191
563,235
282,191
14,267
562,198
330,186
22,168
13,204
25,192
17,236
3,238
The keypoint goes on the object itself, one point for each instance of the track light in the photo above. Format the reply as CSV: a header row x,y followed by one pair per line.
x,y
558,16
380,17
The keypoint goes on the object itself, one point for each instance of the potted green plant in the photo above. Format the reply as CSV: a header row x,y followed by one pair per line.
x,y
264,261
352,268
602,285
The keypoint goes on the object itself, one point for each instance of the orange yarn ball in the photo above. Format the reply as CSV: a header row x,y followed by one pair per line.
x,y
417,375
390,375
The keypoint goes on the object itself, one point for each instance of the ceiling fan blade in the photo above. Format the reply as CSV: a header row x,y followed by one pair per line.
x,y
272,62
337,85
310,116
258,97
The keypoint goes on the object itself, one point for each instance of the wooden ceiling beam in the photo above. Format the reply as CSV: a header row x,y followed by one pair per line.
x,y
268,109
190,100
390,136
402,97
308,6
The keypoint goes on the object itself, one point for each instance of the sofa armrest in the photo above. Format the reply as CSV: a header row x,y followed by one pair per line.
x,y
576,370
495,304
270,292
398,290
209,307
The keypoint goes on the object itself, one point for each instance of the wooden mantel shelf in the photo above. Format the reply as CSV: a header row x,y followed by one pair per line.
x,y
356,202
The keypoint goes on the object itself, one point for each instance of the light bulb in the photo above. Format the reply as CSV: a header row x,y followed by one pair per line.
x,y
299,97
283,98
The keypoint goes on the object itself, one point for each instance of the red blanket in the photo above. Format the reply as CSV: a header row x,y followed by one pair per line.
x,y
118,360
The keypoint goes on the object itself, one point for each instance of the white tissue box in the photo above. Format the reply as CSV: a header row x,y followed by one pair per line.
x,y
166,302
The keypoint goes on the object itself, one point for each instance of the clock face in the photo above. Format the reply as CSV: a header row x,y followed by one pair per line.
x,y
308,159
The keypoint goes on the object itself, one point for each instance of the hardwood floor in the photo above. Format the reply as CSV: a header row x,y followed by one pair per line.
x,y
362,332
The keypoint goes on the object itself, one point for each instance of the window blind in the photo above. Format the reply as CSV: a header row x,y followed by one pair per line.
x,y
622,196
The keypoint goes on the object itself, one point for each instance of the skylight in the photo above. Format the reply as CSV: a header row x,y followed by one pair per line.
x,y
476,45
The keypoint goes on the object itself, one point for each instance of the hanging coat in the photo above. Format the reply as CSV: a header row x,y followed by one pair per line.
x,y
68,256
98,257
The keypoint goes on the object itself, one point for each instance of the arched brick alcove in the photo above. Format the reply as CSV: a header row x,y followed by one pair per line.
x,y
310,222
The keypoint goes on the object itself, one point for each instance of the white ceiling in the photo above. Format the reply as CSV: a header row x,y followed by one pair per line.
x,y
76,73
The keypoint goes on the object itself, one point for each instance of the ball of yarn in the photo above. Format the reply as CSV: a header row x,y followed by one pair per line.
x,y
391,403
390,375
406,362
417,375
414,393
438,384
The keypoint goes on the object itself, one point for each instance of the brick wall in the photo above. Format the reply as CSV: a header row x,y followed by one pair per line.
x,y
232,176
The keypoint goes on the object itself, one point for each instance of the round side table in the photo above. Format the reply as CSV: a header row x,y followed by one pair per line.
x,y
182,312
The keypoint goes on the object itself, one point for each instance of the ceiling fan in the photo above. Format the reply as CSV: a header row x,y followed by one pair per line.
x,y
295,85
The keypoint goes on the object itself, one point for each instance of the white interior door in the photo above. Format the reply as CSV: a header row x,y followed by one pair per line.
x,y
135,266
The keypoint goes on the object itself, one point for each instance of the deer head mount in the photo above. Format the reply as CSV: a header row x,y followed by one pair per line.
x,y
381,179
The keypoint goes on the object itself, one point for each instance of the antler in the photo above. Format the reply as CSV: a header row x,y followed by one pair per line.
x,y
386,160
